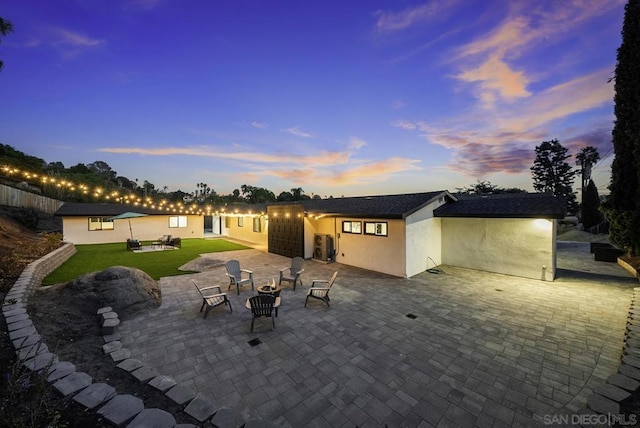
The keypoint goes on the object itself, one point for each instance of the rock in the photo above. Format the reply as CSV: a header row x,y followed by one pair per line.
x,y
126,290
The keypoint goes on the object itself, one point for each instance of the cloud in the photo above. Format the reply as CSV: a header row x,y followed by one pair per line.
x,y
72,38
389,21
356,143
600,138
404,124
581,94
496,63
496,81
364,173
324,157
72,43
480,160
484,142
259,125
333,168
298,132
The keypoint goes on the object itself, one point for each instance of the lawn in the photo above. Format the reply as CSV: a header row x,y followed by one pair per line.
x,y
97,257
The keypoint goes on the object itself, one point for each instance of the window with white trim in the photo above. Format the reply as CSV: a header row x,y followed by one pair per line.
x,y
257,225
240,221
100,223
352,227
375,228
177,221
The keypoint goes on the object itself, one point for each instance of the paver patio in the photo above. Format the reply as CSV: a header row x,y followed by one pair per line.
x,y
483,349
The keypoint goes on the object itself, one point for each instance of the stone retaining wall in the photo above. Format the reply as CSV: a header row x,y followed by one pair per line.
x,y
33,353
119,409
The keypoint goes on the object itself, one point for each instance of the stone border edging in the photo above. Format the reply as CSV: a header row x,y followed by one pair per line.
x,y
118,409
606,398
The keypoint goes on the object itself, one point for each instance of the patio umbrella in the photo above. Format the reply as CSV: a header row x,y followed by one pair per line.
x,y
128,215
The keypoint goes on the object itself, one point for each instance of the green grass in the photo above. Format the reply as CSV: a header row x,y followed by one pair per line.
x,y
97,257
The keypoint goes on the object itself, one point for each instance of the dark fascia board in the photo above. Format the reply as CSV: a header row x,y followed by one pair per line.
x,y
486,215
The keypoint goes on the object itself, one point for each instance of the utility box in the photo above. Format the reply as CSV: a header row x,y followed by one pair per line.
x,y
323,247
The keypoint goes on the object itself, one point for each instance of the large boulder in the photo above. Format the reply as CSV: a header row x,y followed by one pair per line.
x,y
127,290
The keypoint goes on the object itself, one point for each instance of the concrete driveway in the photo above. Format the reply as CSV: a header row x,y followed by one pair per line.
x,y
477,349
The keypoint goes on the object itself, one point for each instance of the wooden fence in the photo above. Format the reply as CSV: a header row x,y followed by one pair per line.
x,y
12,197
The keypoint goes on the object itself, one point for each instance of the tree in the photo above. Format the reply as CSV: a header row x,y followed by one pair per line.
x,y
103,169
284,197
622,207
551,172
255,195
6,27
585,159
591,215
16,158
485,187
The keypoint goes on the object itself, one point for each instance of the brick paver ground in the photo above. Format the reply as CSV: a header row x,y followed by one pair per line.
x,y
482,350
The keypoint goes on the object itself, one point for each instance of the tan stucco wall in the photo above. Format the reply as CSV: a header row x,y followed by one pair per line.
x,y
245,233
377,253
76,229
522,247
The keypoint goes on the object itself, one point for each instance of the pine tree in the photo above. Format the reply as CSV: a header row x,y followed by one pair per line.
x,y
591,215
552,173
622,208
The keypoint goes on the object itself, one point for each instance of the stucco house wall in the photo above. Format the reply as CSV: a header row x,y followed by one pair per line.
x,y
76,229
245,232
521,247
424,245
378,253
424,239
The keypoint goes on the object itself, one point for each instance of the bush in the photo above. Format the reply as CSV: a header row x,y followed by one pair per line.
x,y
12,265
29,401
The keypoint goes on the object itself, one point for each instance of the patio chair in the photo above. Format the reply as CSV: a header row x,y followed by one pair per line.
x,y
133,244
263,305
175,242
320,293
292,274
235,275
212,300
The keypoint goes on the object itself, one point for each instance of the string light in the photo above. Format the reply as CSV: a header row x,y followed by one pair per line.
x,y
116,196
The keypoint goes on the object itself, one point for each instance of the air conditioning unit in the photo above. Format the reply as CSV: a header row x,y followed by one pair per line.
x,y
323,247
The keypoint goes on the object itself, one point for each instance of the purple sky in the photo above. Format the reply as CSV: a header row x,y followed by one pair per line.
x,y
337,97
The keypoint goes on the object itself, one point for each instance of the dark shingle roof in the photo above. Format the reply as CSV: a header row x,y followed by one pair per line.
x,y
101,210
381,206
507,205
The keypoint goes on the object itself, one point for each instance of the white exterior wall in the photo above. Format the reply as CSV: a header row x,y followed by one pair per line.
x,y
384,254
521,247
149,228
245,233
424,240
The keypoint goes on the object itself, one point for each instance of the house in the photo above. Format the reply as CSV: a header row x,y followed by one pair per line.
x,y
86,223
401,235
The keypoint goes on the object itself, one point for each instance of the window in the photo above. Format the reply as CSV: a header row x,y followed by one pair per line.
x,y
178,221
227,222
377,228
257,225
240,221
352,227
100,223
